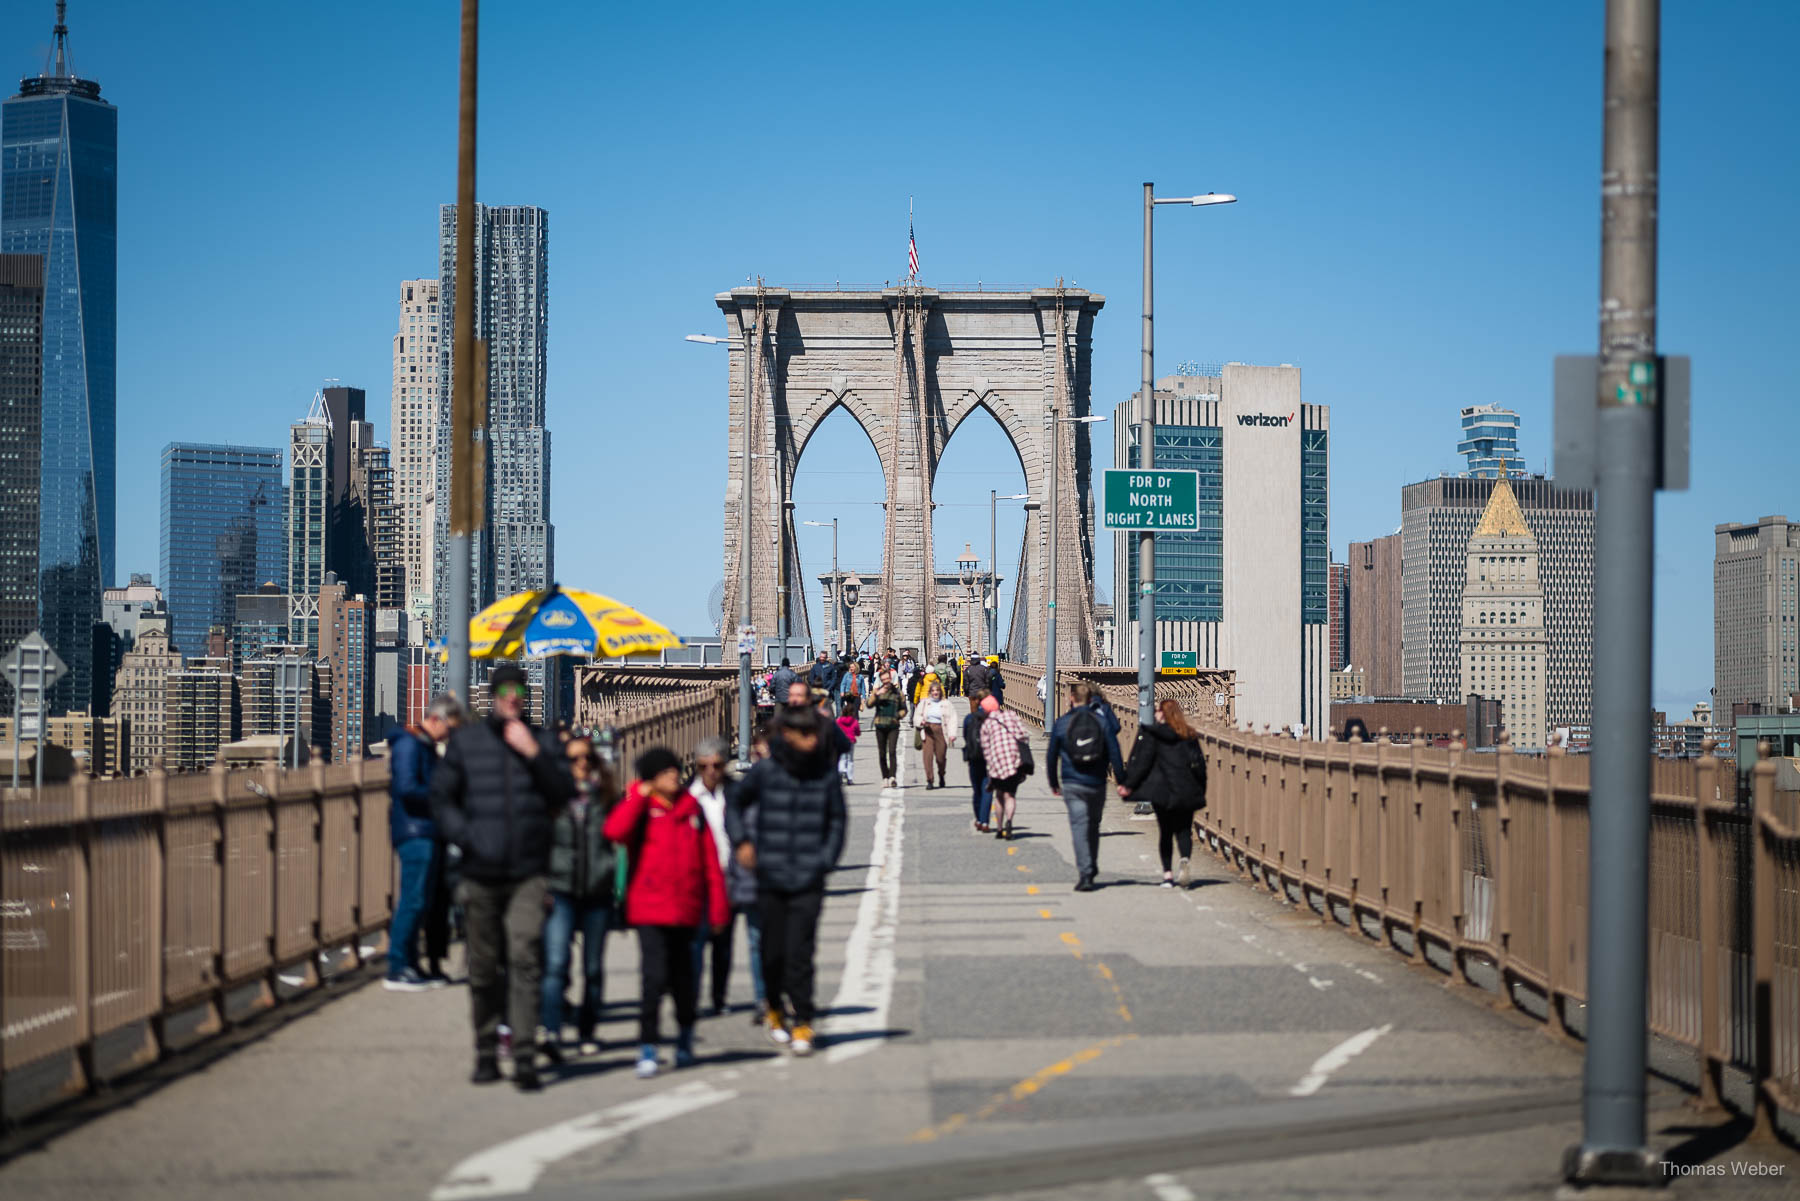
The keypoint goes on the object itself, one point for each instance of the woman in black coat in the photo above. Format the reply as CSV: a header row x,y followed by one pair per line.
x,y
1168,769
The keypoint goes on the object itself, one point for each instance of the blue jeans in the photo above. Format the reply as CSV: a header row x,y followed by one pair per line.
x,y
1083,802
983,790
720,941
591,919
418,871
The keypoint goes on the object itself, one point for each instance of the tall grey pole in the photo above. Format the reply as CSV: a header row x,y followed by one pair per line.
x,y
1613,1147
993,613
1146,601
463,463
43,652
746,697
1050,575
837,598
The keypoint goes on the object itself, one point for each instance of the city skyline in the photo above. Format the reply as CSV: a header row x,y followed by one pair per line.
x,y
1535,260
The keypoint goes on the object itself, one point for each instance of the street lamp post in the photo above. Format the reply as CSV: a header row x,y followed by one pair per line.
x,y
994,499
967,573
837,589
1056,424
1147,458
852,589
746,696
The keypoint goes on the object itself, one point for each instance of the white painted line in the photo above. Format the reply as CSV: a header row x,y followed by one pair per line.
x,y
867,983
1367,975
1167,1188
1336,1058
1317,983
514,1166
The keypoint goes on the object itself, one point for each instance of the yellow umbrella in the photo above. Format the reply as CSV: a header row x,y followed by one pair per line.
x,y
565,621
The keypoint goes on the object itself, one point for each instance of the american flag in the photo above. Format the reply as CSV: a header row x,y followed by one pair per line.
x,y
912,248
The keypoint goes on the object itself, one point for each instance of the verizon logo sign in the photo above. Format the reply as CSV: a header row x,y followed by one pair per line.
x,y
1264,419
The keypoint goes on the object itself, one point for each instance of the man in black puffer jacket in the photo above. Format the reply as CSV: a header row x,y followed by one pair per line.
x,y
496,795
792,841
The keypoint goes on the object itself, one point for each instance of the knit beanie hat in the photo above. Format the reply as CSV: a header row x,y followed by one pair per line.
x,y
989,704
655,761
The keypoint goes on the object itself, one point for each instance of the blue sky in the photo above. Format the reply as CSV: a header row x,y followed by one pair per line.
x,y
1418,228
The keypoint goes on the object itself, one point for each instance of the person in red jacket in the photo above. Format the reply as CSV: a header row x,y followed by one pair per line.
x,y
676,886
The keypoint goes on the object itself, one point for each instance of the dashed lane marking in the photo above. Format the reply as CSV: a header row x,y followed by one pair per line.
x,y
1336,1058
1031,890
1044,913
1020,1091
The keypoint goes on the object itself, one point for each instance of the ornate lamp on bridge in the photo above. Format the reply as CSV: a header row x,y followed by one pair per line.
x,y
967,567
851,591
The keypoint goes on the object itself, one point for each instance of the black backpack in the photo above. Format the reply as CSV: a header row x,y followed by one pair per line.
x,y
1195,761
1087,743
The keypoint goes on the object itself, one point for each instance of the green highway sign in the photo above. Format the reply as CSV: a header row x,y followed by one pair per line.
x,y
1179,663
1150,499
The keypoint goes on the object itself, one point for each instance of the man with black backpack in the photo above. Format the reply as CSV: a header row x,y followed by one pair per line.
x,y
1082,747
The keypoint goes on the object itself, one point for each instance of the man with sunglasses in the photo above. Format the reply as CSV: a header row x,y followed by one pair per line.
x,y
496,796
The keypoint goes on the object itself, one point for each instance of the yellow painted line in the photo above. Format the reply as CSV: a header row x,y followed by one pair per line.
x,y
1012,850
1044,913
1031,890
1023,868
1023,1089
1105,972
1068,936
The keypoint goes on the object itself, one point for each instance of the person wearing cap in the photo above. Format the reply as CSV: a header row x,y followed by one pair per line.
x,y
677,886
496,796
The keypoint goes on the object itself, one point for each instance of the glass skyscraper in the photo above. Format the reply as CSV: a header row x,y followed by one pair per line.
x,y
59,199
222,534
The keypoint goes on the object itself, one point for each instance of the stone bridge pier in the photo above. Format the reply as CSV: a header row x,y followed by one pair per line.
x,y
909,364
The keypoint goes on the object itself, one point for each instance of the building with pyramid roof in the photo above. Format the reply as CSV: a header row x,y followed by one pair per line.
x,y
1504,644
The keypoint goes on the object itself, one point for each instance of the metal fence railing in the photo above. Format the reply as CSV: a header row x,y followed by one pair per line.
x,y
1483,857
210,894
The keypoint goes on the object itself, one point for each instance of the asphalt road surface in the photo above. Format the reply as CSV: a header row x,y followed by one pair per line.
x,y
991,1034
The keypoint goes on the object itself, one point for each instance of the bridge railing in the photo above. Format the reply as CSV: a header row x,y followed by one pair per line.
x,y
210,896
1479,861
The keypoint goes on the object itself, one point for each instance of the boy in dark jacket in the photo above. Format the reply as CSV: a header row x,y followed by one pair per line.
x,y
793,843
496,796
971,749
412,756
676,887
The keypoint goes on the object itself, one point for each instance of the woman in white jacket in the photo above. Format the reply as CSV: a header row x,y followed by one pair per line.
x,y
936,723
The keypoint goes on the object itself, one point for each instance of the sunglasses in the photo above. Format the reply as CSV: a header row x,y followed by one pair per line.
x,y
510,690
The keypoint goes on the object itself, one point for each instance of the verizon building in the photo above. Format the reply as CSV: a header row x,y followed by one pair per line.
x,y
1250,590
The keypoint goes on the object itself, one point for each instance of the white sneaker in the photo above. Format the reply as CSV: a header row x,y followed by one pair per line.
x,y
647,1067
1182,875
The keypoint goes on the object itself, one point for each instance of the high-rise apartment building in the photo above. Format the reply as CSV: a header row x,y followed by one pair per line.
x,y
59,200
283,694
1375,590
1437,519
221,532
200,714
347,644
1756,616
1503,638
1338,593
138,692
262,621
511,300
21,439
1251,589
413,437
1490,442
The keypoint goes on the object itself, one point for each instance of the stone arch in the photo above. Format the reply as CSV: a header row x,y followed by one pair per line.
x,y
1017,561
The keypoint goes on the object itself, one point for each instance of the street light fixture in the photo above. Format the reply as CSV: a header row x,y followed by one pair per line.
x,y
746,696
1056,424
837,600
1147,454
994,499
852,589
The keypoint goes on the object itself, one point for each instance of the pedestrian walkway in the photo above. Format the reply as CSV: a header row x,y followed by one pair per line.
x,y
989,1033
